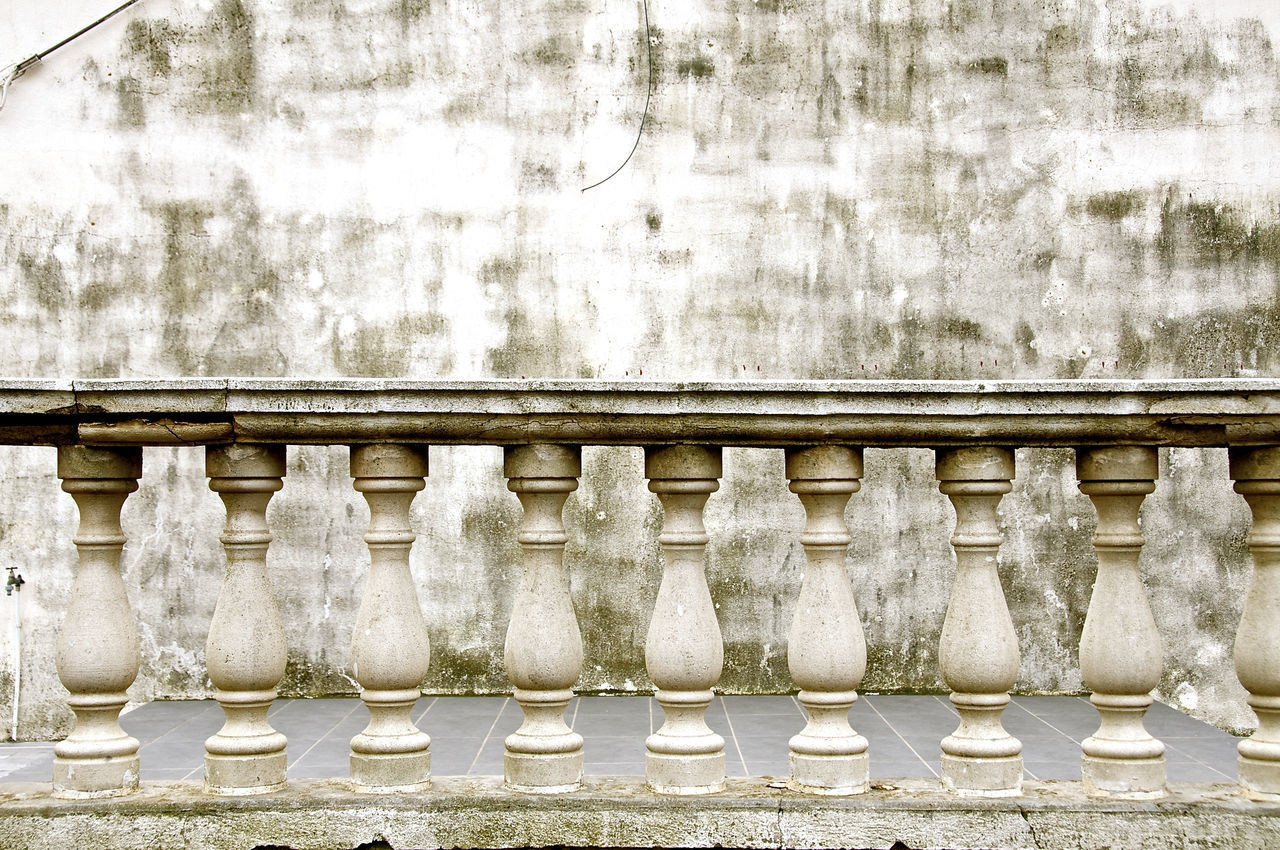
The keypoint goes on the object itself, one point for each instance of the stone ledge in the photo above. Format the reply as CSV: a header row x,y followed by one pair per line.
x,y
620,812
193,411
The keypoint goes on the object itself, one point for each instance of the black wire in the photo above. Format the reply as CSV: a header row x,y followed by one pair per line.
x,y
27,63
648,40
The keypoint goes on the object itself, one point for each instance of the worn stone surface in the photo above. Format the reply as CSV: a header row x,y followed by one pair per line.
x,y
884,188
608,812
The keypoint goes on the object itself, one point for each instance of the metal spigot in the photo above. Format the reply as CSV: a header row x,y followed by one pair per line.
x,y
15,582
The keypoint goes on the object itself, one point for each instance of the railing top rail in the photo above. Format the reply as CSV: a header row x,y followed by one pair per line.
x,y
181,411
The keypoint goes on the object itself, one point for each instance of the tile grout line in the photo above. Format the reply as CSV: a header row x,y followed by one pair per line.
x,y
278,705
741,758
1200,762
327,733
488,734
1070,738
174,728
433,701
907,743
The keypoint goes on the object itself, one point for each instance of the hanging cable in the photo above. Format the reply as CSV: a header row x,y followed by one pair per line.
x,y
648,40
13,72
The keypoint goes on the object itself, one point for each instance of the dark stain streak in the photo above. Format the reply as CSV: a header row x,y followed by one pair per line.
x,y
990,65
697,66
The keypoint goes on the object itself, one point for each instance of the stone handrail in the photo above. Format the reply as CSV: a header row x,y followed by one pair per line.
x,y
208,411
1116,427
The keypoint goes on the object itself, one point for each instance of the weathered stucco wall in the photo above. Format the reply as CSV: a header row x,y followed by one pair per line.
x,y
884,188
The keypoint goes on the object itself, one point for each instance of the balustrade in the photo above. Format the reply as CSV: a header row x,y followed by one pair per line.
x,y
1120,648
1256,472
1120,651
245,652
544,647
98,645
683,652
826,652
978,652
390,650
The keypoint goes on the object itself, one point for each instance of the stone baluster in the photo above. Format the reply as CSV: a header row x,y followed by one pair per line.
x,y
390,652
1120,654
97,651
245,652
1256,472
543,651
826,653
978,652
684,652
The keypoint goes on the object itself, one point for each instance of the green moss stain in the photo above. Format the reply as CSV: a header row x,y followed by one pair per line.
x,y
697,66
1209,232
229,65
1217,231
410,12
557,51
312,677
1024,340
43,275
1114,206
151,43
465,671
538,177
1131,347
396,75
130,108
1266,243
1213,343
997,65
384,350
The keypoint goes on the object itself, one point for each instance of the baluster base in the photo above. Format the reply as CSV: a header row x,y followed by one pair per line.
x,y
83,779
390,773
543,756
982,777
242,776
980,758
828,757
830,776
1259,780
1123,779
684,774
684,756
1121,760
542,773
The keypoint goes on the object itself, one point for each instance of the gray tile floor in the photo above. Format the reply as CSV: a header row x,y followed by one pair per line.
x,y
467,736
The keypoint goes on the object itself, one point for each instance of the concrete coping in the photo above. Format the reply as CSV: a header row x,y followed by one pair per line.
x,y
178,411
619,812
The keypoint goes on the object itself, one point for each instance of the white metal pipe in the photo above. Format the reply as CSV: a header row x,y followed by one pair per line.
x,y
17,662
